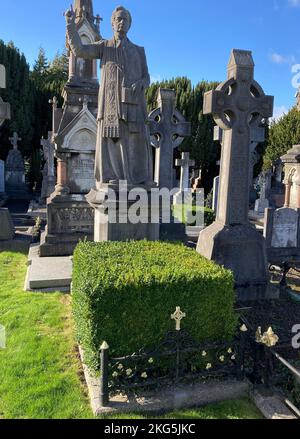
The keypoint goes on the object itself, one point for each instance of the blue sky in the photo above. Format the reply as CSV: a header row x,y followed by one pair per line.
x,y
191,38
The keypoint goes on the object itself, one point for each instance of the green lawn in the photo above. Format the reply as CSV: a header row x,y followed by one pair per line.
x,y
40,375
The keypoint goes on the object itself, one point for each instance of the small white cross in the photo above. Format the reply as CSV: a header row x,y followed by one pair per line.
x,y
178,316
14,140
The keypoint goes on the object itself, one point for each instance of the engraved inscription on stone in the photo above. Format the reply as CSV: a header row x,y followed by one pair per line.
x,y
81,173
285,228
74,220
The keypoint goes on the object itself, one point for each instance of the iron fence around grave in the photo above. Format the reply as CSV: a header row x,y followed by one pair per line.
x,y
178,359
266,367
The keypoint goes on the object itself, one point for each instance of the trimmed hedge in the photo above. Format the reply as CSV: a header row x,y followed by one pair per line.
x,y
125,293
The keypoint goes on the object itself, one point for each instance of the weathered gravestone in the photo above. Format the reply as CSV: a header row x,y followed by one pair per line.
x,y
185,191
4,107
69,216
15,171
282,226
237,105
48,185
257,136
6,225
265,184
168,128
215,193
2,183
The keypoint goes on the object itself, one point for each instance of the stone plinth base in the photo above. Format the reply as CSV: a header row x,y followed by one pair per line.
x,y
70,219
114,213
7,230
240,249
18,192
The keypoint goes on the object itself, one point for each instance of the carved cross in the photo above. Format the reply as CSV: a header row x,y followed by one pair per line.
x,y
178,316
185,164
168,128
238,105
14,140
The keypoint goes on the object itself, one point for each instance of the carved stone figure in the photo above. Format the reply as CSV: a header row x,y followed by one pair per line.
x,y
123,145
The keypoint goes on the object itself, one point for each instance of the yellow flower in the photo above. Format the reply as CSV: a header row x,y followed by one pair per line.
x,y
151,361
144,375
120,367
115,375
229,351
222,358
128,372
204,354
209,366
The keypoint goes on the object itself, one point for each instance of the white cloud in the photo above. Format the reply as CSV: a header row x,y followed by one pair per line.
x,y
294,3
279,112
277,58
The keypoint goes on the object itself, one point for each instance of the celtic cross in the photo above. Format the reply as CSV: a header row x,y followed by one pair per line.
x,y
238,105
178,316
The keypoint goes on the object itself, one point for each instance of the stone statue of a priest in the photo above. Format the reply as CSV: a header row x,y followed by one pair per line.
x,y
123,142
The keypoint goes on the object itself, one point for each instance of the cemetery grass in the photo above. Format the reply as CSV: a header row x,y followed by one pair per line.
x,y
40,373
39,369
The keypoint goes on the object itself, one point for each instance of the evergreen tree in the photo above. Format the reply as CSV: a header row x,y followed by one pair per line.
x,y
283,134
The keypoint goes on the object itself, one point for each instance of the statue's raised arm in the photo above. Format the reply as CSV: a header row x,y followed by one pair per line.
x,y
80,50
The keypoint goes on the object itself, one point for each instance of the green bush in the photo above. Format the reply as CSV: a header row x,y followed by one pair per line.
x,y
125,293
182,213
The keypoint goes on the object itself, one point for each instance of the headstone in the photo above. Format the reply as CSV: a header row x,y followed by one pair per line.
x,y
237,105
281,232
4,107
15,171
6,225
168,128
185,192
2,177
265,184
48,185
70,218
215,193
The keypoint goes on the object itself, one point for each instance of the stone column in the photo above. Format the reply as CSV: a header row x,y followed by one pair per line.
x,y
62,175
288,187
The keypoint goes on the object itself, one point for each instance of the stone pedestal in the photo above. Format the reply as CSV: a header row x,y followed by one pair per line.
x,y
70,219
123,217
7,230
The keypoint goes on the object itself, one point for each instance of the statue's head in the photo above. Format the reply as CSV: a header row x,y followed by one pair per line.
x,y
121,20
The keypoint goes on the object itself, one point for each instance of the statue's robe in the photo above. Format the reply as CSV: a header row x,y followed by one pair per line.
x,y
123,149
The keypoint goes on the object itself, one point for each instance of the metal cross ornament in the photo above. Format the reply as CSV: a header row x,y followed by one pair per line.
x,y
178,316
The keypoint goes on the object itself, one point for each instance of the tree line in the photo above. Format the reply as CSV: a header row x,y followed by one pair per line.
x,y
28,92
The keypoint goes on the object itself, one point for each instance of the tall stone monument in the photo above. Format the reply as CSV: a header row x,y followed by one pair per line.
x,y
4,114
4,106
16,187
238,104
69,217
48,185
123,155
168,128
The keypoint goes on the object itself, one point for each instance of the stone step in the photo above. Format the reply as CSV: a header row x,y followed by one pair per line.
x,y
48,274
